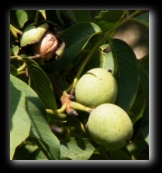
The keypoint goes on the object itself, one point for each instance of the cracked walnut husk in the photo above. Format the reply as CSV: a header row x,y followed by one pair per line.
x,y
43,39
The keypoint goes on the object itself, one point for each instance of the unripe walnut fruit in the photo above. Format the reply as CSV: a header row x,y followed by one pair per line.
x,y
110,126
95,87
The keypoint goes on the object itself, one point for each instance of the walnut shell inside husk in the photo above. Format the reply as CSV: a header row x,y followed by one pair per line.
x,y
46,47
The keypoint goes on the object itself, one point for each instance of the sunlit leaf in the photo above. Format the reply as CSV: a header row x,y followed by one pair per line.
x,y
101,60
40,129
108,63
19,119
23,16
43,12
76,149
24,150
15,50
33,34
28,150
37,155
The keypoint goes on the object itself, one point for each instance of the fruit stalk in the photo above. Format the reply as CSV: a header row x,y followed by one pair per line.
x,y
78,106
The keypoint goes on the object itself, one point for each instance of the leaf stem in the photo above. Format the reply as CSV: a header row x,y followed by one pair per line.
x,y
22,67
16,57
21,72
36,17
128,17
15,31
62,109
58,114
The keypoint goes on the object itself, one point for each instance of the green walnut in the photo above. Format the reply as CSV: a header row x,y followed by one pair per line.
x,y
33,34
110,126
95,87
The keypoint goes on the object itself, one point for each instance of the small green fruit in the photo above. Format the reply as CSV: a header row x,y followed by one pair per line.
x,y
95,87
110,126
33,34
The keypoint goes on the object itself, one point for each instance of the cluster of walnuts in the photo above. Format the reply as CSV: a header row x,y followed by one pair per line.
x,y
108,124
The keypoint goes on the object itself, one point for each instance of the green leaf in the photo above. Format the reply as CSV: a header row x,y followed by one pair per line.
x,y
40,129
97,156
11,52
24,150
76,38
138,108
119,155
29,151
127,75
79,33
144,74
80,15
15,50
101,60
138,148
19,119
145,123
76,127
109,63
43,12
143,18
76,149
19,17
37,155
23,16
58,14
33,34
13,70
41,83
108,19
